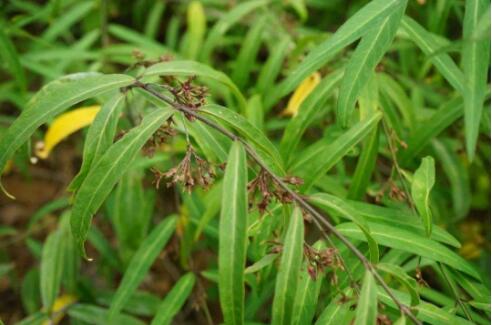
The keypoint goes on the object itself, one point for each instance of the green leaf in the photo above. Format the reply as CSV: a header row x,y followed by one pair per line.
x,y
34,319
265,148
53,99
430,44
365,166
99,137
225,23
193,68
349,32
140,264
130,36
401,219
174,300
51,268
67,20
457,175
340,207
317,160
155,17
480,305
367,305
99,316
446,115
288,273
308,290
247,54
395,237
400,274
475,59
29,291
254,112
197,27
9,55
108,170
436,316
232,236
396,93
477,291
361,65
272,66
213,144
335,313
426,312
260,264
308,111
300,7
422,183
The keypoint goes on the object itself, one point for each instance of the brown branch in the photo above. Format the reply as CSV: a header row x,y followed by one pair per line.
x,y
317,217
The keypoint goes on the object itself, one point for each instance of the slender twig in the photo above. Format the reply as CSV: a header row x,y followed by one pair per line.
x,y
320,219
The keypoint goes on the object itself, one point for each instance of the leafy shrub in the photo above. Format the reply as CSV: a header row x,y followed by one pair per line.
x,y
298,176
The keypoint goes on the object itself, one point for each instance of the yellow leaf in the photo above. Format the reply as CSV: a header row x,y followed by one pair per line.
x,y
59,307
302,91
63,126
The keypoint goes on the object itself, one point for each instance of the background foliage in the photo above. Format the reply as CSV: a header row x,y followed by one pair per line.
x,y
381,107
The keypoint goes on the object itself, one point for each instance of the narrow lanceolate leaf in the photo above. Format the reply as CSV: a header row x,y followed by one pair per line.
x,y
458,177
108,170
51,268
317,160
446,115
367,305
232,236
226,22
99,316
63,126
365,166
345,210
193,68
197,25
361,66
53,99
140,263
336,312
309,109
267,151
308,290
12,59
407,281
422,183
475,59
248,52
349,32
99,137
395,237
402,219
271,68
288,273
431,45
174,300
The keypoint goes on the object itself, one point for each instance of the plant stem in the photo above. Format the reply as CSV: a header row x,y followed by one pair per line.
x,y
319,219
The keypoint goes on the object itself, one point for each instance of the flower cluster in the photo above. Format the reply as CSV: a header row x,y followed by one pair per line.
x,y
192,170
320,260
162,135
188,94
268,188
